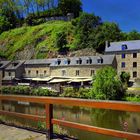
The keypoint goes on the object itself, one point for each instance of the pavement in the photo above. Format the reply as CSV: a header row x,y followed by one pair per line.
x,y
13,133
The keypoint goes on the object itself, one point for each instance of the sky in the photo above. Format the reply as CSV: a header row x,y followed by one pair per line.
x,y
126,13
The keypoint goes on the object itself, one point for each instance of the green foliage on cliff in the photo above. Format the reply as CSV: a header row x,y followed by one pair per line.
x,y
43,39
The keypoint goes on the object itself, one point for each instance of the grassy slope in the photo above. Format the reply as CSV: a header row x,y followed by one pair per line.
x,y
41,38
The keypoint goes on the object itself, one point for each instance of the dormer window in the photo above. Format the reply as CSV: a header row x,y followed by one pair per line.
x,y
99,60
124,47
67,61
57,62
79,61
89,60
1,64
14,64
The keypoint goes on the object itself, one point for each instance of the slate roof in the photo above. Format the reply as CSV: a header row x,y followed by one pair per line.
x,y
106,60
14,67
3,64
38,61
117,46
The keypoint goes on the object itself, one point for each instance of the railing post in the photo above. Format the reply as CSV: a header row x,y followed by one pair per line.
x,y
49,126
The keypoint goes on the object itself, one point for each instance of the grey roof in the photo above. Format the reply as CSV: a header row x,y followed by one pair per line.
x,y
117,46
38,61
3,64
107,60
11,66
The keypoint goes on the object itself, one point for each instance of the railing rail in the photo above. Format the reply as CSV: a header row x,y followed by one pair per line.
x,y
50,101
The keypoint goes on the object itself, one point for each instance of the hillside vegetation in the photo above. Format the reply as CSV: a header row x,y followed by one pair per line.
x,y
36,41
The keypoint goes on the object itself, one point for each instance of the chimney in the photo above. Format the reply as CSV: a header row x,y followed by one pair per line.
x,y
107,44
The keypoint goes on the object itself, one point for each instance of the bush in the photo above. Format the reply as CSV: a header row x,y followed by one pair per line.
x,y
125,77
107,86
76,93
26,90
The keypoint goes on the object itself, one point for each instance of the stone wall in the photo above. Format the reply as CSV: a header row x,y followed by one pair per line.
x,y
42,72
128,64
84,71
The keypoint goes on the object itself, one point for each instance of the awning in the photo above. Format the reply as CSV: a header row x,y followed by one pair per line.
x,y
42,79
59,80
80,80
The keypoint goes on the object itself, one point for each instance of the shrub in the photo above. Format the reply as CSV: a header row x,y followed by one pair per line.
x,y
125,77
26,90
106,85
75,93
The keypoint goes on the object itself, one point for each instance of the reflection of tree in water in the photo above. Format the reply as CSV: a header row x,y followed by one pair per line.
x,y
108,118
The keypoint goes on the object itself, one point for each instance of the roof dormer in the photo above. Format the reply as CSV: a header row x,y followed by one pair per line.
x,y
89,60
99,60
124,47
78,61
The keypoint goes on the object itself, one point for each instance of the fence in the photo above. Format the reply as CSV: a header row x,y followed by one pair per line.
x,y
50,101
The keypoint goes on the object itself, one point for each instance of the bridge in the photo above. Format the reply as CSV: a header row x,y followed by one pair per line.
x,y
50,120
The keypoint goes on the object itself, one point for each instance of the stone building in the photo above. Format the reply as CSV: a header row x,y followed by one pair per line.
x,y
127,56
3,65
80,67
37,68
13,72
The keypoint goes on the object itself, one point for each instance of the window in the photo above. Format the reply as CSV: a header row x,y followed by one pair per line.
x,y
124,47
123,55
9,73
45,72
123,65
99,60
37,72
79,61
134,74
134,64
67,62
92,72
29,72
89,60
63,72
77,72
134,55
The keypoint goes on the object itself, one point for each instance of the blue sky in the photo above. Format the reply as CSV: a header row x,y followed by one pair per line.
x,y
126,13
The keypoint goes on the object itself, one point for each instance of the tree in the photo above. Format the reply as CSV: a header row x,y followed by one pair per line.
x,y
86,24
106,32
4,24
133,35
61,42
70,6
107,85
125,77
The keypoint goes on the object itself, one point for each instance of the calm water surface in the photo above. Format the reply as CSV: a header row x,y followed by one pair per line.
x,y
118,120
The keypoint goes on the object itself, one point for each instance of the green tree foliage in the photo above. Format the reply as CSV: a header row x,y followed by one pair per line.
x,y
61,42
70,6
106,32
106,85
85,26
4,24
125,77
133,35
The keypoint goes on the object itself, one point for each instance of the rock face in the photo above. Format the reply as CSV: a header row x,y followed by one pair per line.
x,y
27,53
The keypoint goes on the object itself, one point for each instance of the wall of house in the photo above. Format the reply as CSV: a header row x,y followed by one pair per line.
x,y
1,76
128,60
70,71
9,73
32,71
19,71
